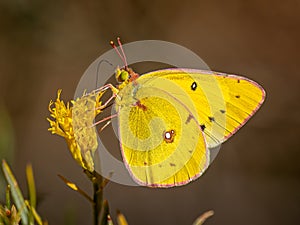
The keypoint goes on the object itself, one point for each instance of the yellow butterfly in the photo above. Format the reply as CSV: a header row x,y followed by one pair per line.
x,y
168,119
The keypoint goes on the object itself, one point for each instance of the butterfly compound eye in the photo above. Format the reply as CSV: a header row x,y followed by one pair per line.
x,y
123,76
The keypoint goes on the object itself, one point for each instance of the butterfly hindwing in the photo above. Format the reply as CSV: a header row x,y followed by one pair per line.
x,y
162,142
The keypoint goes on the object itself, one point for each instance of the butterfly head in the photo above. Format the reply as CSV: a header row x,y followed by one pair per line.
x,y
124,76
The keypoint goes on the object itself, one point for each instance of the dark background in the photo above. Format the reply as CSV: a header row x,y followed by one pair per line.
x,y
46,45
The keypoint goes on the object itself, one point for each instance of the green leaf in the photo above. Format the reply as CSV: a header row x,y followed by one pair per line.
x,y
6,142
31,186
32,192
15,192
7,195
36,216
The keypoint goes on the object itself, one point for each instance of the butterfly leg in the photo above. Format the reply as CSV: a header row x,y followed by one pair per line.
x,y
105,119
103,106
104,88
103,127
107,86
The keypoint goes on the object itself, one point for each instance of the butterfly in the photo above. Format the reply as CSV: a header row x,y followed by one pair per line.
x,y
170,119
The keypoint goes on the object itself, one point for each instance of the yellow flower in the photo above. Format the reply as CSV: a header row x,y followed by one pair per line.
x,y
74,122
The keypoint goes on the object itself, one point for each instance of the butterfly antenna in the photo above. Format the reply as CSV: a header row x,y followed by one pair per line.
x,y
117,51
98,68
122,50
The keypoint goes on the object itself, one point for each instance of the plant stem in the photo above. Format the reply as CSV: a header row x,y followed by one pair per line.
x,y
97,198
97,181
98,193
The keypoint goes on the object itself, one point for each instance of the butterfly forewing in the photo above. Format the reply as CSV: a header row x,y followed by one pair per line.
x,y
221,103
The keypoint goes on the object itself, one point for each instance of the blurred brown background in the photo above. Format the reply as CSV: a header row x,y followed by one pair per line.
x,y
46,45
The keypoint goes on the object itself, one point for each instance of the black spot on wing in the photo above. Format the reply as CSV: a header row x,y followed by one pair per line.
x,y
237,96
222,111
202,126
194,86
172,164
211,119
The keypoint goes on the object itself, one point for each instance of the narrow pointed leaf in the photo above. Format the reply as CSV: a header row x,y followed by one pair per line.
x,y
7,197
32,192
31,186
109,220
35,214
75,188
121,219
105,213
201,219
106,180
15,192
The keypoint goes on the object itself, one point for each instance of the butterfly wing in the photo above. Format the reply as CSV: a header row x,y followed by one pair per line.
x,y
222,103
162,142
